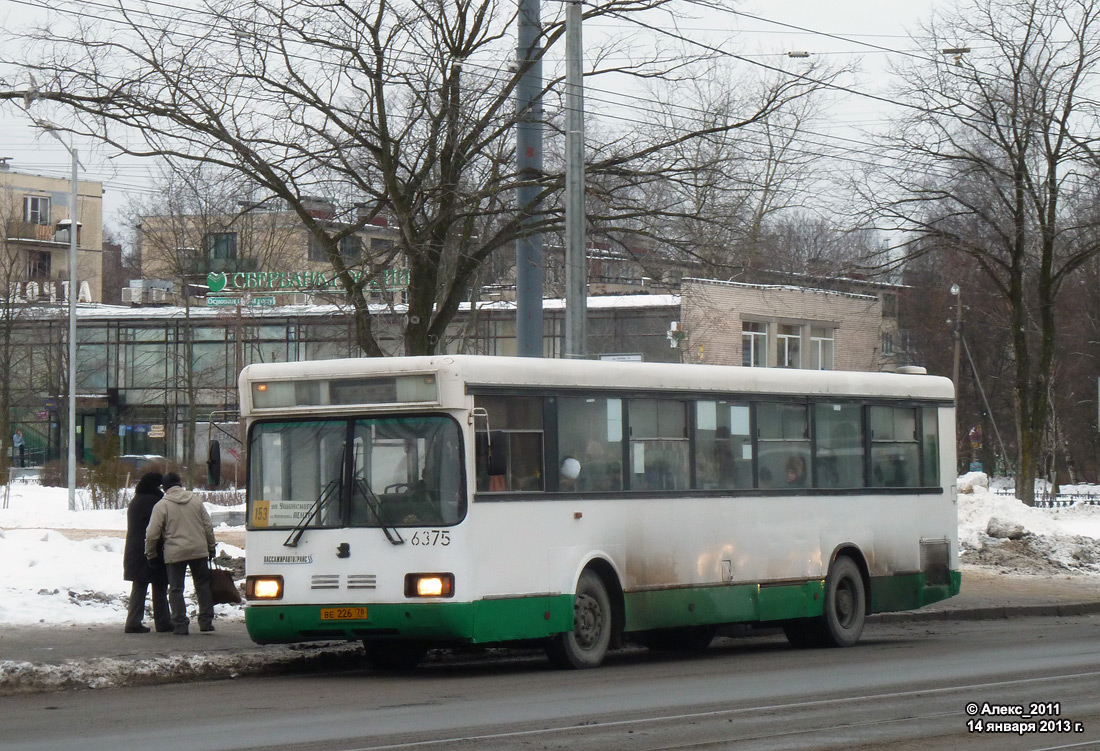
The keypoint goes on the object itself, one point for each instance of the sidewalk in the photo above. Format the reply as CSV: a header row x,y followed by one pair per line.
x,y
49,658
988,595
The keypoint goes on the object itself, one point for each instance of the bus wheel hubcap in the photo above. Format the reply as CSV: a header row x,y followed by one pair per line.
x,y
587,621
844,605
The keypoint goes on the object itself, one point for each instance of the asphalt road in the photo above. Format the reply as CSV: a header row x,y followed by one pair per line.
x,y
906,686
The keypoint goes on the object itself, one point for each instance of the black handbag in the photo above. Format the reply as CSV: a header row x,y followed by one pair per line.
x,y
222,586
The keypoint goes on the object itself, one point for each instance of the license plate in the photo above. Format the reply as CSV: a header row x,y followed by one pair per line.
x,y
343,614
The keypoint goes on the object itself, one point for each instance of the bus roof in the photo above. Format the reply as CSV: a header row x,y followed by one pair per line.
x,y
490,371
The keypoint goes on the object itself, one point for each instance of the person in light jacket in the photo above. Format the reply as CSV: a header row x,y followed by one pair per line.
x,y
19,446
138,569
181,520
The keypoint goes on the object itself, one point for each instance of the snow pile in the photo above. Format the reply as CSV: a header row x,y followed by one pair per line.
x,y
1000,531
971,480
104,672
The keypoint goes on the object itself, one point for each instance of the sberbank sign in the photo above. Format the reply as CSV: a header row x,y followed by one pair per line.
x,y
296,281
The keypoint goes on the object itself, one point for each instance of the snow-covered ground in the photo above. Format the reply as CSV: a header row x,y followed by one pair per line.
x,y
51,579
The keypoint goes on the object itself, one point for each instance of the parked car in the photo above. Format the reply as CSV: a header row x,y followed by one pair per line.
x,y
143,461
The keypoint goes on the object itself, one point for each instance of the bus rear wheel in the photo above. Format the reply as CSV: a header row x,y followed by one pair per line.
x,y
845,612
586,645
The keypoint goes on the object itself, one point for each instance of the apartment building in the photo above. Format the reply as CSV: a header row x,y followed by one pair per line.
x,y
36,213
261,253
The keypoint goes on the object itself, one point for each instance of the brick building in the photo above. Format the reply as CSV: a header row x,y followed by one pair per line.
x,y
765,325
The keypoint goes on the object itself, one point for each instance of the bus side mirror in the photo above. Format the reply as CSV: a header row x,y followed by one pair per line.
x,y
214,464
492,452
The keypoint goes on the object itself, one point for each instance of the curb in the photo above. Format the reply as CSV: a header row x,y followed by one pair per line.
x,y
990,613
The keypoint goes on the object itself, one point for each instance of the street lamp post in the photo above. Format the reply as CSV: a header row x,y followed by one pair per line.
x,y
958,336
957,292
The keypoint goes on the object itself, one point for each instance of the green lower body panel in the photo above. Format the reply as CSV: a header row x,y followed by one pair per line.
x,y
752,603
512,619
735,603
912,591
478,622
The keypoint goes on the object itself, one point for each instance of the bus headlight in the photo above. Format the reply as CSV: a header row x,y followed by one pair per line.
x,y
429,585
268,587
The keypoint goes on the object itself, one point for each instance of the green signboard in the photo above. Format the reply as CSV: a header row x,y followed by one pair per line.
x,y
231,301
293,281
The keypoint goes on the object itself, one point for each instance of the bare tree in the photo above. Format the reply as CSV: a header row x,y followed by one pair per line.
x,y
22,278
191,205
394,108
707,201
989,165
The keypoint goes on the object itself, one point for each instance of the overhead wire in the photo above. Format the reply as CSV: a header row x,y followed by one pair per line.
x,y
856,154
494,71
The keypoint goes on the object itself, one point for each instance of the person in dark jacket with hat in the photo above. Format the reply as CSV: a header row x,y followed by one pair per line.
x,y
182,522
138,569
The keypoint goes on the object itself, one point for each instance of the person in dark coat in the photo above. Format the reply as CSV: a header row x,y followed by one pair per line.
x,y
138,569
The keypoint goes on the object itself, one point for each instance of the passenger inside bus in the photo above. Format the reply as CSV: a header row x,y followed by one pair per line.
x,y
891,471
726,466
796,471
568,474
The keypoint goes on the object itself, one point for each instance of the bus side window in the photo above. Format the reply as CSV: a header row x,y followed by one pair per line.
x,y
838,441
930,453
514,462
590,430
784,441
894,447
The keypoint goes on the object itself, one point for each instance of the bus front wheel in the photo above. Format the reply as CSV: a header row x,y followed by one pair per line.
x,y
586,645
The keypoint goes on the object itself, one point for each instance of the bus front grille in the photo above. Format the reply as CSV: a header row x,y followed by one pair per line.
x,y
354,581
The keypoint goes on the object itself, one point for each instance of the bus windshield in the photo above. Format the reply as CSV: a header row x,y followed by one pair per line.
x,y
366,472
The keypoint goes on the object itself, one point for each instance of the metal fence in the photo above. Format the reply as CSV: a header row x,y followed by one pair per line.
x,y
1060,500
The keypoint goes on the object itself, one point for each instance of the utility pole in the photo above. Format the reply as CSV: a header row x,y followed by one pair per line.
x,y
576,262
529,164
74,290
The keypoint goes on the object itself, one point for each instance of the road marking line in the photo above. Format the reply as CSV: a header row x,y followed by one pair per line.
x,y
741,710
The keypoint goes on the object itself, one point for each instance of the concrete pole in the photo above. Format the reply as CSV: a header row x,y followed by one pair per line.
x,y
74,291
576,266
529,259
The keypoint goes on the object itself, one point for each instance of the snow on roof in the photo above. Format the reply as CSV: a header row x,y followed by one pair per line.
x,y
103,312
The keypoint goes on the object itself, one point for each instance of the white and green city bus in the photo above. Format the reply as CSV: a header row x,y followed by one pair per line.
x,y
460,500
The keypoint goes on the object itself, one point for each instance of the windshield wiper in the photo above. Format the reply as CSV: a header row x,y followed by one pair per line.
x,y
375,504
296,534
